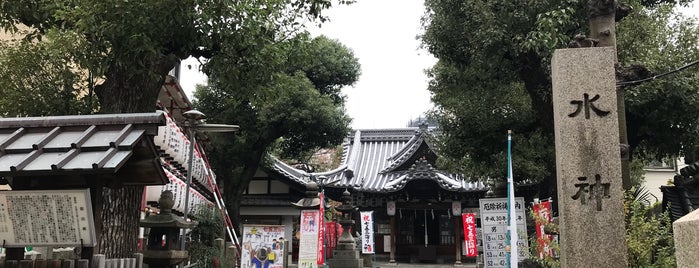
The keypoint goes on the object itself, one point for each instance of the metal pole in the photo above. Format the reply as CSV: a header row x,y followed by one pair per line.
x,y
193,140
508,251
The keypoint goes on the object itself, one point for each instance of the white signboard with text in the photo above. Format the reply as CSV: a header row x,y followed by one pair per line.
x,y
367,226
46,218
494,230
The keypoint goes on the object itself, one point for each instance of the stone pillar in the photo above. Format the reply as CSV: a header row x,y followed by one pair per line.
x,y
588,159
686,233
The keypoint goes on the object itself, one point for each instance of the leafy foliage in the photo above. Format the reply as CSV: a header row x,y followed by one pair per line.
x,y
659,113
493,74
135,43
42,80
648,236
296,106
209,227
132,45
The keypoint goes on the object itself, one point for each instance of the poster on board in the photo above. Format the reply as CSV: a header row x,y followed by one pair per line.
x,y
308,242
263,246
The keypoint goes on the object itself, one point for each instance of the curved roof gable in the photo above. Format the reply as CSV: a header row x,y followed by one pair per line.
x,y
375,160
406,153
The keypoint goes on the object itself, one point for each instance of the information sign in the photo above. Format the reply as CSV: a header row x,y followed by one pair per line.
x,y
494,230
46,218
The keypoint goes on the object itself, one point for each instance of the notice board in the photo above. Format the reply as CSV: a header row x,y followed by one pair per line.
x,y
46,218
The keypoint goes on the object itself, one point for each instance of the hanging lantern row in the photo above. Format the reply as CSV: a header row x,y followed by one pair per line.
x,y
172,140
178,187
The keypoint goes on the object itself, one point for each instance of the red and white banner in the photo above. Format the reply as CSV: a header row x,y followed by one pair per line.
x,y
309,239
470,243
543,210
367,227
321,230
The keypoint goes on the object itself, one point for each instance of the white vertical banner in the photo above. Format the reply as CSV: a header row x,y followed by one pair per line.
x,y
367,221
512,215
308,244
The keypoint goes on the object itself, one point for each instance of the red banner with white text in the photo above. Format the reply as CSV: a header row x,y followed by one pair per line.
x,y
469,223
331,234
543,210
321,230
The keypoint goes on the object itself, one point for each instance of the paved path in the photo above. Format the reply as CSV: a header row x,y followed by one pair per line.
x,y
423,265
414,265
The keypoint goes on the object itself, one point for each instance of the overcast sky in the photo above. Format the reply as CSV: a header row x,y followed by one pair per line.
x,y
382,34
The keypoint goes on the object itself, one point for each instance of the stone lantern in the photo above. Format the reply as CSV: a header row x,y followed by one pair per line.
x,y
163,249
346,254
311,200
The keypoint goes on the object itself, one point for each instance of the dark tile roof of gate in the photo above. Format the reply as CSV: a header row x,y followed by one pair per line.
x,y
85,144
679,201
370,160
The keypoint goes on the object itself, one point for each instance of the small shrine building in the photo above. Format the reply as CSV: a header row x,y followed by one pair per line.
x,y
417,207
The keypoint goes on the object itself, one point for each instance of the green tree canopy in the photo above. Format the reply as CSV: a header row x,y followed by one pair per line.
x,y
299,108
131,46
493,74
39,78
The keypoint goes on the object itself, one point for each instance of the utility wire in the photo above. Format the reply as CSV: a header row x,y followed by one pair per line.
x,y
636,82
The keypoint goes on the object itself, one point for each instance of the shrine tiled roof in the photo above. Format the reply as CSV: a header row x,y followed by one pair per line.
x,y
679,201
82,144
682,197
384,160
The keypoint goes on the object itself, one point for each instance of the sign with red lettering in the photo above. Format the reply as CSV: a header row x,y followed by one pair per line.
x,y
367,227
469,223
263,246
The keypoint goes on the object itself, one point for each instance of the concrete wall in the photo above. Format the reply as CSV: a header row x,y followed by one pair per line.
x,y
656,178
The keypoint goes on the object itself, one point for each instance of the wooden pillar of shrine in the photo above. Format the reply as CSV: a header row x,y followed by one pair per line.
x,y
457,238
392,258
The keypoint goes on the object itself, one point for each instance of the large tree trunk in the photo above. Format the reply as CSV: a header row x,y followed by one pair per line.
x,y
603,17
120,215
235,188
125,91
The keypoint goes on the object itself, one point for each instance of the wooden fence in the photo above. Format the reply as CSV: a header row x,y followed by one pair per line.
x,y
98,261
